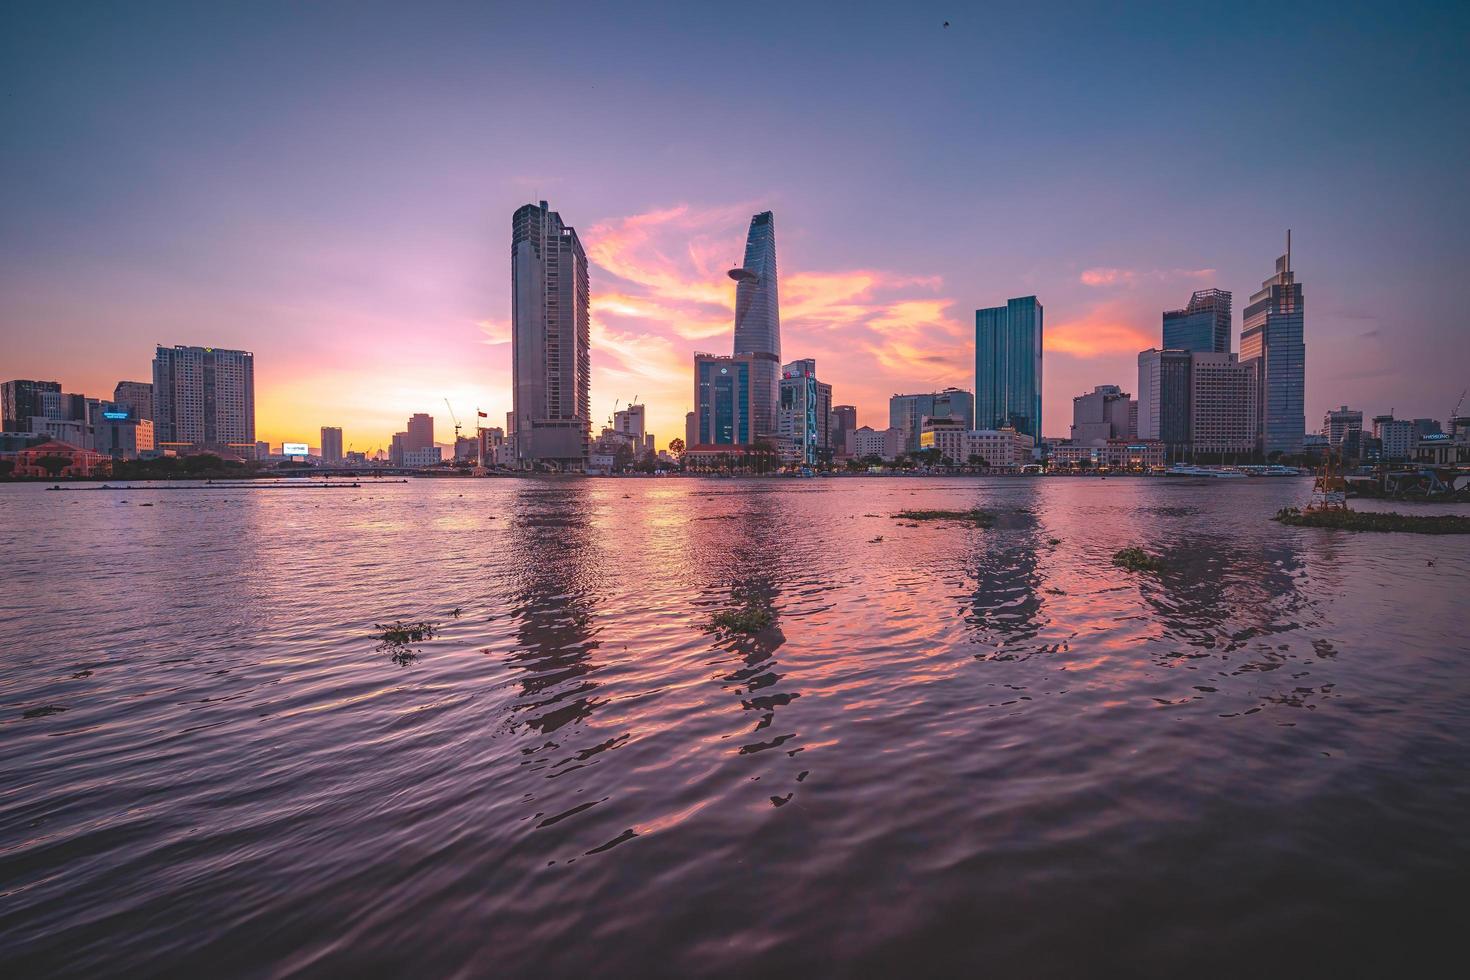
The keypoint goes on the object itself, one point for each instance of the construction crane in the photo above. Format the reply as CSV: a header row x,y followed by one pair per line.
x,y
455,418
1455,412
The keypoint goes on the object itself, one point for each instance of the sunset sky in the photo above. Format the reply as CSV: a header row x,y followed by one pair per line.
x,y
331,185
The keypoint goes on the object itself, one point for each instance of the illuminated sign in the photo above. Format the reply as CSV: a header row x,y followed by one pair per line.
x,y
114,415
295,449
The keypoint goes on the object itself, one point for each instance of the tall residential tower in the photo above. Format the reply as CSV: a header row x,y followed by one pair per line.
x,y
758,320
550,339
204,398
1271,341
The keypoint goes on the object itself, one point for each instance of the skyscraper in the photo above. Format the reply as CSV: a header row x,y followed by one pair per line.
x,y
1008,366
137,395
724,399
805,404
331,444
21,400
1271,340
204,398
1203,325
1164,391
550,341
420,431
1222,404
844,420
758,319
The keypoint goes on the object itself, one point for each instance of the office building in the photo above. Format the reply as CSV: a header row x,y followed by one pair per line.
x,y
1106,412
1271,341
1203,326
724,396
551,361
1222,404
119,432
419,432
204,399
908,412
66,406
758,319
331,444
866,441
137,396
1338,422
397,447
843,420
631,422
1008,366
1397,438
20,400
1164,391
796,413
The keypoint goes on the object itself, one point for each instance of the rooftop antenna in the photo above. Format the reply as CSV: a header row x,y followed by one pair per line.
x,y
1288,250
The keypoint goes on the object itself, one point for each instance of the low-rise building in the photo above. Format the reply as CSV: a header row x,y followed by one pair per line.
x,y
428,456
866,441
80,461
1132,455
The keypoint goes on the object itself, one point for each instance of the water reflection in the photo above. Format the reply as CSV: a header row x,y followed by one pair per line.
x,y
556,570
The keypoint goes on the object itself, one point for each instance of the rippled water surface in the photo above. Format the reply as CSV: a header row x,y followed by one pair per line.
x,y
955,751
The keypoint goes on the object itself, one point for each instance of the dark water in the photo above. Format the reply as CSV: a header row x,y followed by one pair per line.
x,y
958,751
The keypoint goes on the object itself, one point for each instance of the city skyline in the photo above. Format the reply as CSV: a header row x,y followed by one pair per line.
x,y
367,272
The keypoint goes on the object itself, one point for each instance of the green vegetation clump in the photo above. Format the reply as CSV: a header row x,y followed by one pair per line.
x,y
750,618
1137,560
975,516
401,632
1359,520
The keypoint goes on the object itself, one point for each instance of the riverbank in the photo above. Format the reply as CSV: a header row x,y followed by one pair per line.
x,y
1358,520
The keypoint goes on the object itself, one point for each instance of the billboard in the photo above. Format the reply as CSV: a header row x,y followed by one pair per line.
x,y
295,449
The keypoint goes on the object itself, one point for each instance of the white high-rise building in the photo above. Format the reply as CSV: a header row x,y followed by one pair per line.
x,y
550,342
204,399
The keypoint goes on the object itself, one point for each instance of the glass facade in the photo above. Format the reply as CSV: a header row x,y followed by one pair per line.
x,y
1271,341
722,394
758,318
906,413
1203,326
803,409
1008,366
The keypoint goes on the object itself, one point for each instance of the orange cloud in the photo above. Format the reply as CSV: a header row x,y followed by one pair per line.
x,y
1099,331
660,292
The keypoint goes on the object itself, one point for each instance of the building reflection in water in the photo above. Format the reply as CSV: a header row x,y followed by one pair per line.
x,y
553,595
1004,607
745,561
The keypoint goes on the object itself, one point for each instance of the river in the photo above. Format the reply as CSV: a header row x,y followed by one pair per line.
x,y
956,750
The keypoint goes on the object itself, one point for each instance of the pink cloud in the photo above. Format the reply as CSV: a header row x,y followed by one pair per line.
x,y
660,292
1105,276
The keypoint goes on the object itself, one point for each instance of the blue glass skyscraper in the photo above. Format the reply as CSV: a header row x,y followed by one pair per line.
x,y
1203,326
1008,366
758,319
1271,340
722,399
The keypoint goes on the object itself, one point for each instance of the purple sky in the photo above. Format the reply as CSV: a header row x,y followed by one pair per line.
x,y
331,185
